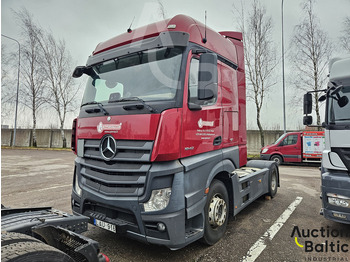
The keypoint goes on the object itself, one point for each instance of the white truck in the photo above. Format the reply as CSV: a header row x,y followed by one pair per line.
x,y
335,168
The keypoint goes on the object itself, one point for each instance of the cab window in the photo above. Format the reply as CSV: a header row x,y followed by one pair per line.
x,y
290,140
193,85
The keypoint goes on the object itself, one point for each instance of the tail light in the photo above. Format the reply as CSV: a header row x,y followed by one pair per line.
x,y
103,258
74,142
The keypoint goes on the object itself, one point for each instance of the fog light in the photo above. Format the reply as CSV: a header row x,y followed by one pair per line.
x,y
159,200
338,200
161,227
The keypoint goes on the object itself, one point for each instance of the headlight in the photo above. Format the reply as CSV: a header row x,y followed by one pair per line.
x,y
77,188
338,200
264,150
159,200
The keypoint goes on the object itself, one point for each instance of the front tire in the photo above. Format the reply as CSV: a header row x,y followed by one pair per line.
x,y
277,159
216,212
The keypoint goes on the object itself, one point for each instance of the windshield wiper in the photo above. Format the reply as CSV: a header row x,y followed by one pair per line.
x,y
98,104
135,98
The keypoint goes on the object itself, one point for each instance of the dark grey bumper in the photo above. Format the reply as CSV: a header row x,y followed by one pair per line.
x,y
335,183
128,214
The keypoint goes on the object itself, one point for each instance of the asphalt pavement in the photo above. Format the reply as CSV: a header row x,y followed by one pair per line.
x,y
285,228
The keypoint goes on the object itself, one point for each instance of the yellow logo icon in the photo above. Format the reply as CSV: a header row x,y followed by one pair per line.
x,y
296,242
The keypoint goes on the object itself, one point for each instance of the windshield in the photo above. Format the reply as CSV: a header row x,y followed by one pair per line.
x,y
279,140
337,114
149,75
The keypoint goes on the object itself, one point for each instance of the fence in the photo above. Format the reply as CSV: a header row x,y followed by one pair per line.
x,y
51,138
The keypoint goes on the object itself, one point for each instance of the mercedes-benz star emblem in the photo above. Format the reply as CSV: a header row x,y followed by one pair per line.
x,y
108,147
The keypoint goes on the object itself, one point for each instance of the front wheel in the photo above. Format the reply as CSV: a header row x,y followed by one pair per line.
x,y
277,159
216,213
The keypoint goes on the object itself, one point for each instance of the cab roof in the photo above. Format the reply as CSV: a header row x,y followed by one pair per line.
x,y
220,43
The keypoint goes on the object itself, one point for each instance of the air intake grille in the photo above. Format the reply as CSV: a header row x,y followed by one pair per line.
x,y
123,175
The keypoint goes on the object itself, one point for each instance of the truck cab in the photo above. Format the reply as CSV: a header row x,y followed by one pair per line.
x,y
335,168
161,135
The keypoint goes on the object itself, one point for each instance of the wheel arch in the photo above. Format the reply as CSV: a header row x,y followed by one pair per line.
x,y
223,174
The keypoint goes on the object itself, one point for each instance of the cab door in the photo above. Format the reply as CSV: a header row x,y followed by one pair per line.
x,y
290,148
202,118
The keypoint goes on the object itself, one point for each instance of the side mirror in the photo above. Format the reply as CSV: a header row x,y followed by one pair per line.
x,y
207,76
307,120
78,71
343,101
322,98
307,104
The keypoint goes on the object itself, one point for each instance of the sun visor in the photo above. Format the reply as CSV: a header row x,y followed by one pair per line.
x,y
164,39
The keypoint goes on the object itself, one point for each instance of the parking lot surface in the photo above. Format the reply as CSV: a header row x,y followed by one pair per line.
x,y
264,231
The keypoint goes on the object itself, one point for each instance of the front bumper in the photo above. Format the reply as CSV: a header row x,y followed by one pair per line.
x,y
337,183
127,212
134,223
265,156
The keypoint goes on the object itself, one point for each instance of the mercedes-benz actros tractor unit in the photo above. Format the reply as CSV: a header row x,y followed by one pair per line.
x,y
161,135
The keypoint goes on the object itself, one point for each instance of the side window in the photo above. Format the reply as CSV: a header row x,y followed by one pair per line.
x,y
290,140
193,85
193,81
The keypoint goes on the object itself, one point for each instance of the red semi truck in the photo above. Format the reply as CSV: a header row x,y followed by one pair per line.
x,y
295,147
161,135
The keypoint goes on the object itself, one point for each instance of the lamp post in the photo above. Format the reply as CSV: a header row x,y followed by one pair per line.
x,y
19,65
284,87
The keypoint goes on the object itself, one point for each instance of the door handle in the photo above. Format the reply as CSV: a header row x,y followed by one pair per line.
x,y
217,141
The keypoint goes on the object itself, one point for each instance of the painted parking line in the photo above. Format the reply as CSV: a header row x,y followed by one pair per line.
x,y
259,246
38,190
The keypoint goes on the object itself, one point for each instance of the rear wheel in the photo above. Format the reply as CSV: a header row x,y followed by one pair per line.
x,y
277,159
216,213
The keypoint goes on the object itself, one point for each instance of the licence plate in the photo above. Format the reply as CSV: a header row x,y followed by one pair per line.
x,y
105,225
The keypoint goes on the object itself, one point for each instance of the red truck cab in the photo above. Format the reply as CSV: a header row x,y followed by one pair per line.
x,y
161,135
295,147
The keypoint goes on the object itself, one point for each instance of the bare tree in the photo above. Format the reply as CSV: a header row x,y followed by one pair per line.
x,y
161,9
32,89
8,94
310,52
345,37
57,66
260,58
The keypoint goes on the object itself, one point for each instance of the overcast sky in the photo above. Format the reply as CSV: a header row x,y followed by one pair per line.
x,y
85,23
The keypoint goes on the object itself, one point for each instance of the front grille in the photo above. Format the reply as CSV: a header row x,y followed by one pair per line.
x,y
124,175
127,150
